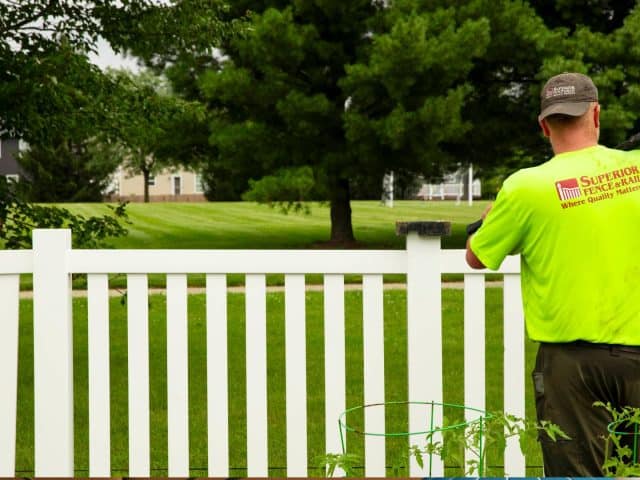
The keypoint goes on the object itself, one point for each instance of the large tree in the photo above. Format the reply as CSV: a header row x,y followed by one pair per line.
x,y
347,89
178,40
603,16
73,115
69,171
47,84
530,41
612,58
52,97
144,124
61,120
312,98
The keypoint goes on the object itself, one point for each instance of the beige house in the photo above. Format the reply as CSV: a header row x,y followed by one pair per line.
x,y
172,185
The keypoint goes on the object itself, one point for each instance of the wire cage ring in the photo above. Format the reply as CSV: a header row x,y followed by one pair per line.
x,y
430,427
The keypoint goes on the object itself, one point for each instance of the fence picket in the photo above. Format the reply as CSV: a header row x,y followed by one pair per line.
x,y
177,376
9,299
334,362
217,377
138,364
514,401
424,332
474,349
373,347
296,375
256,352
99,390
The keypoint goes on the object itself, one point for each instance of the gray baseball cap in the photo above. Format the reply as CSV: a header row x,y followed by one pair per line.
x,y
568,94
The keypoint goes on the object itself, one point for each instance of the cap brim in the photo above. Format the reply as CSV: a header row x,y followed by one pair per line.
x,y
574,109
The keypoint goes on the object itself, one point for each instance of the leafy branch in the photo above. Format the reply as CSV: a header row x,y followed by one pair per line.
x,y
18,218
286,190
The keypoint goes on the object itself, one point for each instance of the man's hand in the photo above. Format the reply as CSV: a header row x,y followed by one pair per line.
x,y
472,260
486,211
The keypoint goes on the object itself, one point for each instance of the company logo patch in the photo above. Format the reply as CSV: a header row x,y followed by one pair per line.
x,y
590,189
560,91
568,189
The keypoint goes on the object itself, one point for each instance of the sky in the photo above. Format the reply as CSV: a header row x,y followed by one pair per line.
x,y
106,57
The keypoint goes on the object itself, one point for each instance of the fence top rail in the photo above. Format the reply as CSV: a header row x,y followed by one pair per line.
x,y
238,261
57,243
245,262
16,261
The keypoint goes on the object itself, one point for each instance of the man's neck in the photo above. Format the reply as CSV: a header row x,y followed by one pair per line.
x,y
572,145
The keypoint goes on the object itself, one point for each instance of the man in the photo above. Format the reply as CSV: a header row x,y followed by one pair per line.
x,y
575,221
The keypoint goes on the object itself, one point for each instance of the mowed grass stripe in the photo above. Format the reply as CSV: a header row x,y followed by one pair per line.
x,y
248,225
395,379
243,225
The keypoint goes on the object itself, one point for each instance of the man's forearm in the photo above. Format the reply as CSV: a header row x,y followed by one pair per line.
x,y
472,260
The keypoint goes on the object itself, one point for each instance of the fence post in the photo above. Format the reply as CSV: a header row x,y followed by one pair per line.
x,y
424,331
53,354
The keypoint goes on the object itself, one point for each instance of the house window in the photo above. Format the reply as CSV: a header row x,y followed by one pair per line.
x,y
199,184
152,180
13,177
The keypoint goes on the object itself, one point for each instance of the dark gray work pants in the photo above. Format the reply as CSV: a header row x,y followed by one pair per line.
x,y
568,379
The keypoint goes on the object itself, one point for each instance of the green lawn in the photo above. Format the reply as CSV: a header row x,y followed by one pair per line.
x,y
396,388
243,225
247,225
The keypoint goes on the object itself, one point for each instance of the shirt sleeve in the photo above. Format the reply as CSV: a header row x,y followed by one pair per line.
x,y
502,231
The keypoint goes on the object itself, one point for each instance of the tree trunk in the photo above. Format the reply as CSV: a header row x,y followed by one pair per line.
x,y
341,227
465,183
145,174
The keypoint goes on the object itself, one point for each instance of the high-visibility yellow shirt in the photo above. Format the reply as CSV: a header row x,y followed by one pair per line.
x,y
575,221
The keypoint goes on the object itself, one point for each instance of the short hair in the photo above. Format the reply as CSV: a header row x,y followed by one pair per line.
x,y
562,120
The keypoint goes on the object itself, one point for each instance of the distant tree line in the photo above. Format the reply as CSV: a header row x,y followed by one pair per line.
x,y
285,101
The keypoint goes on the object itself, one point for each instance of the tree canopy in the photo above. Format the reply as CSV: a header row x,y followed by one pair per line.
x,y
52,97
318,99
348,90
143,128
48,87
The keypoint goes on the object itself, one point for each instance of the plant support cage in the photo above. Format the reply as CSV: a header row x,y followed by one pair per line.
x,y
474,428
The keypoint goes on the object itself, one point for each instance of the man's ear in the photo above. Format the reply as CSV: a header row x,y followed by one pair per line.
x,y
596,115
545,128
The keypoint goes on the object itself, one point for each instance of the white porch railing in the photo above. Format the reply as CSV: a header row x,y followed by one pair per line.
x,y
447,191
52,261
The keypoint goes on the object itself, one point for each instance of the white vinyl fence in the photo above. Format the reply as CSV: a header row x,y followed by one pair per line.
x,y
52,261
